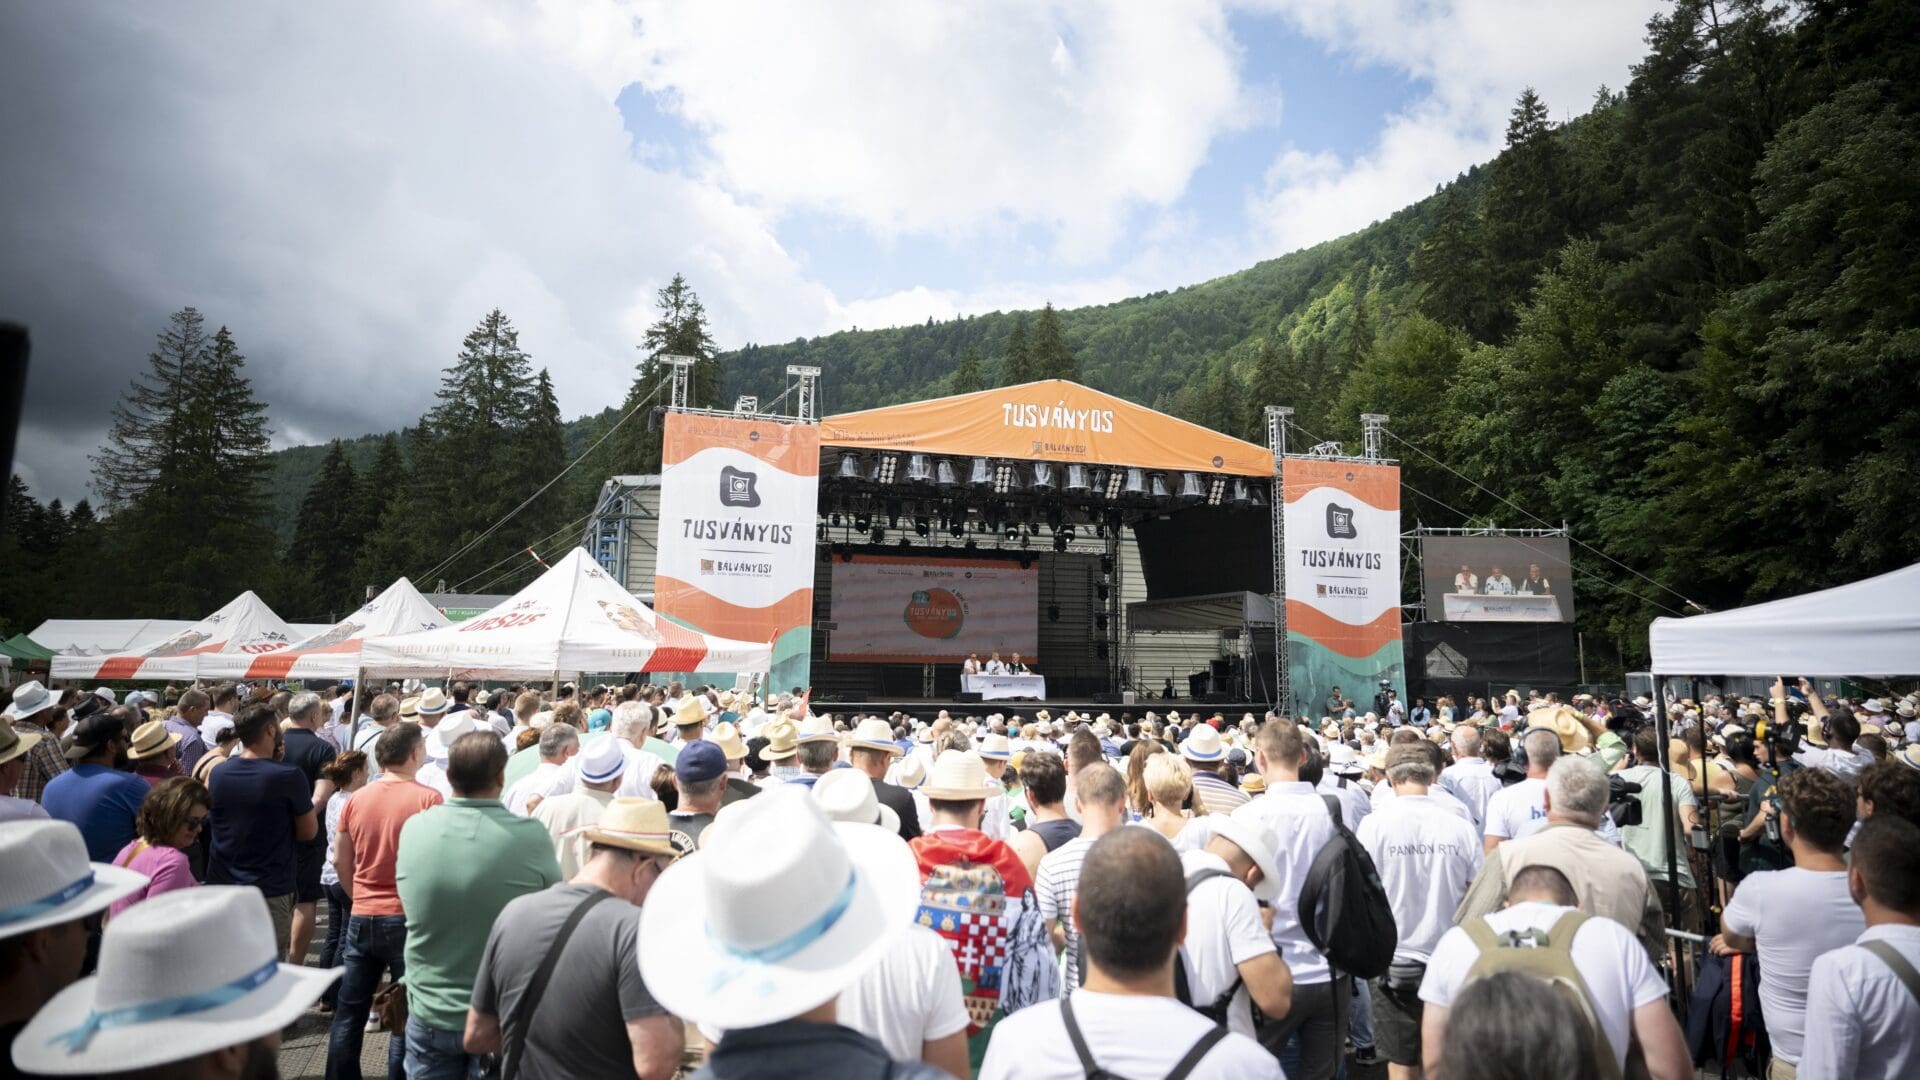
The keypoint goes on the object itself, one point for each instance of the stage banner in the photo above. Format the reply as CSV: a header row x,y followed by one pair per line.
x,y
1342,546
738,499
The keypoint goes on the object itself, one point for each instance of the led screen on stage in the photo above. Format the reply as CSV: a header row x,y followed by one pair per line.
x,y
1497,578
915,609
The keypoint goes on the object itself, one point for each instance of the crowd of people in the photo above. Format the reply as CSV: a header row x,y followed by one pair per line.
x,y
655,879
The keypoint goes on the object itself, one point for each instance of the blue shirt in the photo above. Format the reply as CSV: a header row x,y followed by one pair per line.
x,y
254,804
103,802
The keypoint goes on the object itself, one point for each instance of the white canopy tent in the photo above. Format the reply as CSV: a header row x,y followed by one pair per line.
x,y
574,618
111,637
246,626
1867,628
333,653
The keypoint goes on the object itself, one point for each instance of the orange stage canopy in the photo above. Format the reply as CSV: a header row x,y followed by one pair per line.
x,y
1051,420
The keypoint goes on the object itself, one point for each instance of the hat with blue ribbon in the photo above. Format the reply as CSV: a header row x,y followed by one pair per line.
x,y
47,879
162,995
779,911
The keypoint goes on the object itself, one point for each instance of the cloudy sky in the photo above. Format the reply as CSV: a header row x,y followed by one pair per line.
x,y
350,186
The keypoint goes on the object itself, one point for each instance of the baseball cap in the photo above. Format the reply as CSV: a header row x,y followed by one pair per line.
x,y
700,761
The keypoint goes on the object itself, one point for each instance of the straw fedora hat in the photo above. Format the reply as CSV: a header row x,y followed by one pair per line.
x,y
995,746
727,737
161,995
1252,836
432,702
152,739
1564,722
49,880
960,775
847,795
1253,783
1203,744
783,739
817,729
602,760
874,733
13,744
410,708
779,911
692,710
634,824
1042,716
911,771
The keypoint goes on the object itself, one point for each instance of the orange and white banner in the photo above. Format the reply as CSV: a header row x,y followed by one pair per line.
x,y
1343,577
738,501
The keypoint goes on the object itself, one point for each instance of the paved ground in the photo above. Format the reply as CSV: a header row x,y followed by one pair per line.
x,y
303,1047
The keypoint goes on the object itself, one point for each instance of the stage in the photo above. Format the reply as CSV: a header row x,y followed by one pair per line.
x,y
928,708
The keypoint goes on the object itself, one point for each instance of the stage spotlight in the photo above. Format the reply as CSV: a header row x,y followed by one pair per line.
x,y
971,545
1059,542
879,535
849,467
1005,479
1242,497
922,526
1054,519
1033,528
980,473
1216,490
1065,532
945,476
1013,531
904,542
1110,482
957,528
862,522
1191,490
884,469
1100,650
1100,623
1136,485
1077,481
1043,478
919,469
826,555
1157,488
1258,493
1102,590
1106,565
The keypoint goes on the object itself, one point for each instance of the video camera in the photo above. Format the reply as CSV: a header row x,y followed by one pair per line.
x,y
1622,807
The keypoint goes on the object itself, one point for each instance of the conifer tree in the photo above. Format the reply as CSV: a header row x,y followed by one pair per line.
x,y
1052,358
1017,367
968,378
681,330
1526,219
326,539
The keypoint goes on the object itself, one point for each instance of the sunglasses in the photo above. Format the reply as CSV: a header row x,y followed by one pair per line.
x,y
198,821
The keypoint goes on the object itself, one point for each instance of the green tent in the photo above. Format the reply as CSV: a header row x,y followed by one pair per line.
x,y
25,651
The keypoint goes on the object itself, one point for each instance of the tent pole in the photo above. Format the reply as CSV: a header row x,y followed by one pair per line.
x,y
1661,734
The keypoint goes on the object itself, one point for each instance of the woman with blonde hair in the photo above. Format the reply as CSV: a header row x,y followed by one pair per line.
x,y
171,818
1169,784
1139,803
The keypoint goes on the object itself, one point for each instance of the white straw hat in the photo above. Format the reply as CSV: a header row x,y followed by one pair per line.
x,y
1203,744
960,775
602,760
995,746
874,733
777,912
48,880
1251,835
817,729
163,995
28,698
847,795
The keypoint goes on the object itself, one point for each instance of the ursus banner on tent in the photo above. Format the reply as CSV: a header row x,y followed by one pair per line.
x,y
736,540
1343,580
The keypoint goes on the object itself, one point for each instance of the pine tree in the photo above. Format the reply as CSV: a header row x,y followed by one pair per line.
x,y
384,481
143,445
968,378
543,456
326,539
1446,264
1526,219
681,330
1052,358
1018,365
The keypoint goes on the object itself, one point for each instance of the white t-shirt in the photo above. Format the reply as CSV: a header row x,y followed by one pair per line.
x,y
1426,860
517,794
1471,780
1441,797
1612,961
1793,916
1223,932
1299,820
1874,1029
1355,804
212,724
1126,1034
435,777
1512,808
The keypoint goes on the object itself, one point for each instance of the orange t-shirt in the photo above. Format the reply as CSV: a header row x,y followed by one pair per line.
x,y
372,820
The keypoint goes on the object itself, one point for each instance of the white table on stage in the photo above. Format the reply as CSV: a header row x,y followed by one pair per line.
x,y
1513,607
1003,687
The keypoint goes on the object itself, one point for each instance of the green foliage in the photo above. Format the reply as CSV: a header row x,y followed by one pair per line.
x,y
969,377
681,330
1018,365
1052,357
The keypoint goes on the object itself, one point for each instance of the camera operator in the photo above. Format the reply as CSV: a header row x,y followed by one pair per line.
x,y
1761,844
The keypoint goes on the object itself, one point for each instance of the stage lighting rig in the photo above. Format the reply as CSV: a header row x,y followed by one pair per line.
x,y
1216,490
885,468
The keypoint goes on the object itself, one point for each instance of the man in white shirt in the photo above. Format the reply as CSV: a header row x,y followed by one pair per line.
x,y
558,744
971,666
1498,583
1839,757
1227,953
1426,860
1627,993
1470,778
995,665
1133,913
1301,822
1103,808
1863,1009
226,699
1439,796
1466,581
1791,917
1512,809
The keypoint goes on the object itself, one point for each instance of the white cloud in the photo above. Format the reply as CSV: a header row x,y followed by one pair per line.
x,y
1475,58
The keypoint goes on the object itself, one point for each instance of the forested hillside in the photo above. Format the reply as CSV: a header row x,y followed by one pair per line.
x,y
1687,324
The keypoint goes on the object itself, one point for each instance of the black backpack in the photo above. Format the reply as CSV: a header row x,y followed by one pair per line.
x,y
1092,1070
1182,989
1343,906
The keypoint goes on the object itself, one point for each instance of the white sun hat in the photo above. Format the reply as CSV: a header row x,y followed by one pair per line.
x,y
778,912
162,995
874,733
960,775
1202,744
602,760
48,880
847,795
1251,835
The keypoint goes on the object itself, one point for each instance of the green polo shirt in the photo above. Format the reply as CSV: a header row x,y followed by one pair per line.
x,y
459,864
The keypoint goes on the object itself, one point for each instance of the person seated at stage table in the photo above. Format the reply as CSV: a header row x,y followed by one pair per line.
x,y
972,665
1535,583
1466,581
995,665
1498,583
1016,666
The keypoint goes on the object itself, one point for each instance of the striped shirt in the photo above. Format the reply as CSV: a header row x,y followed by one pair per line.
x,y
1054,886
44,762
1216,794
